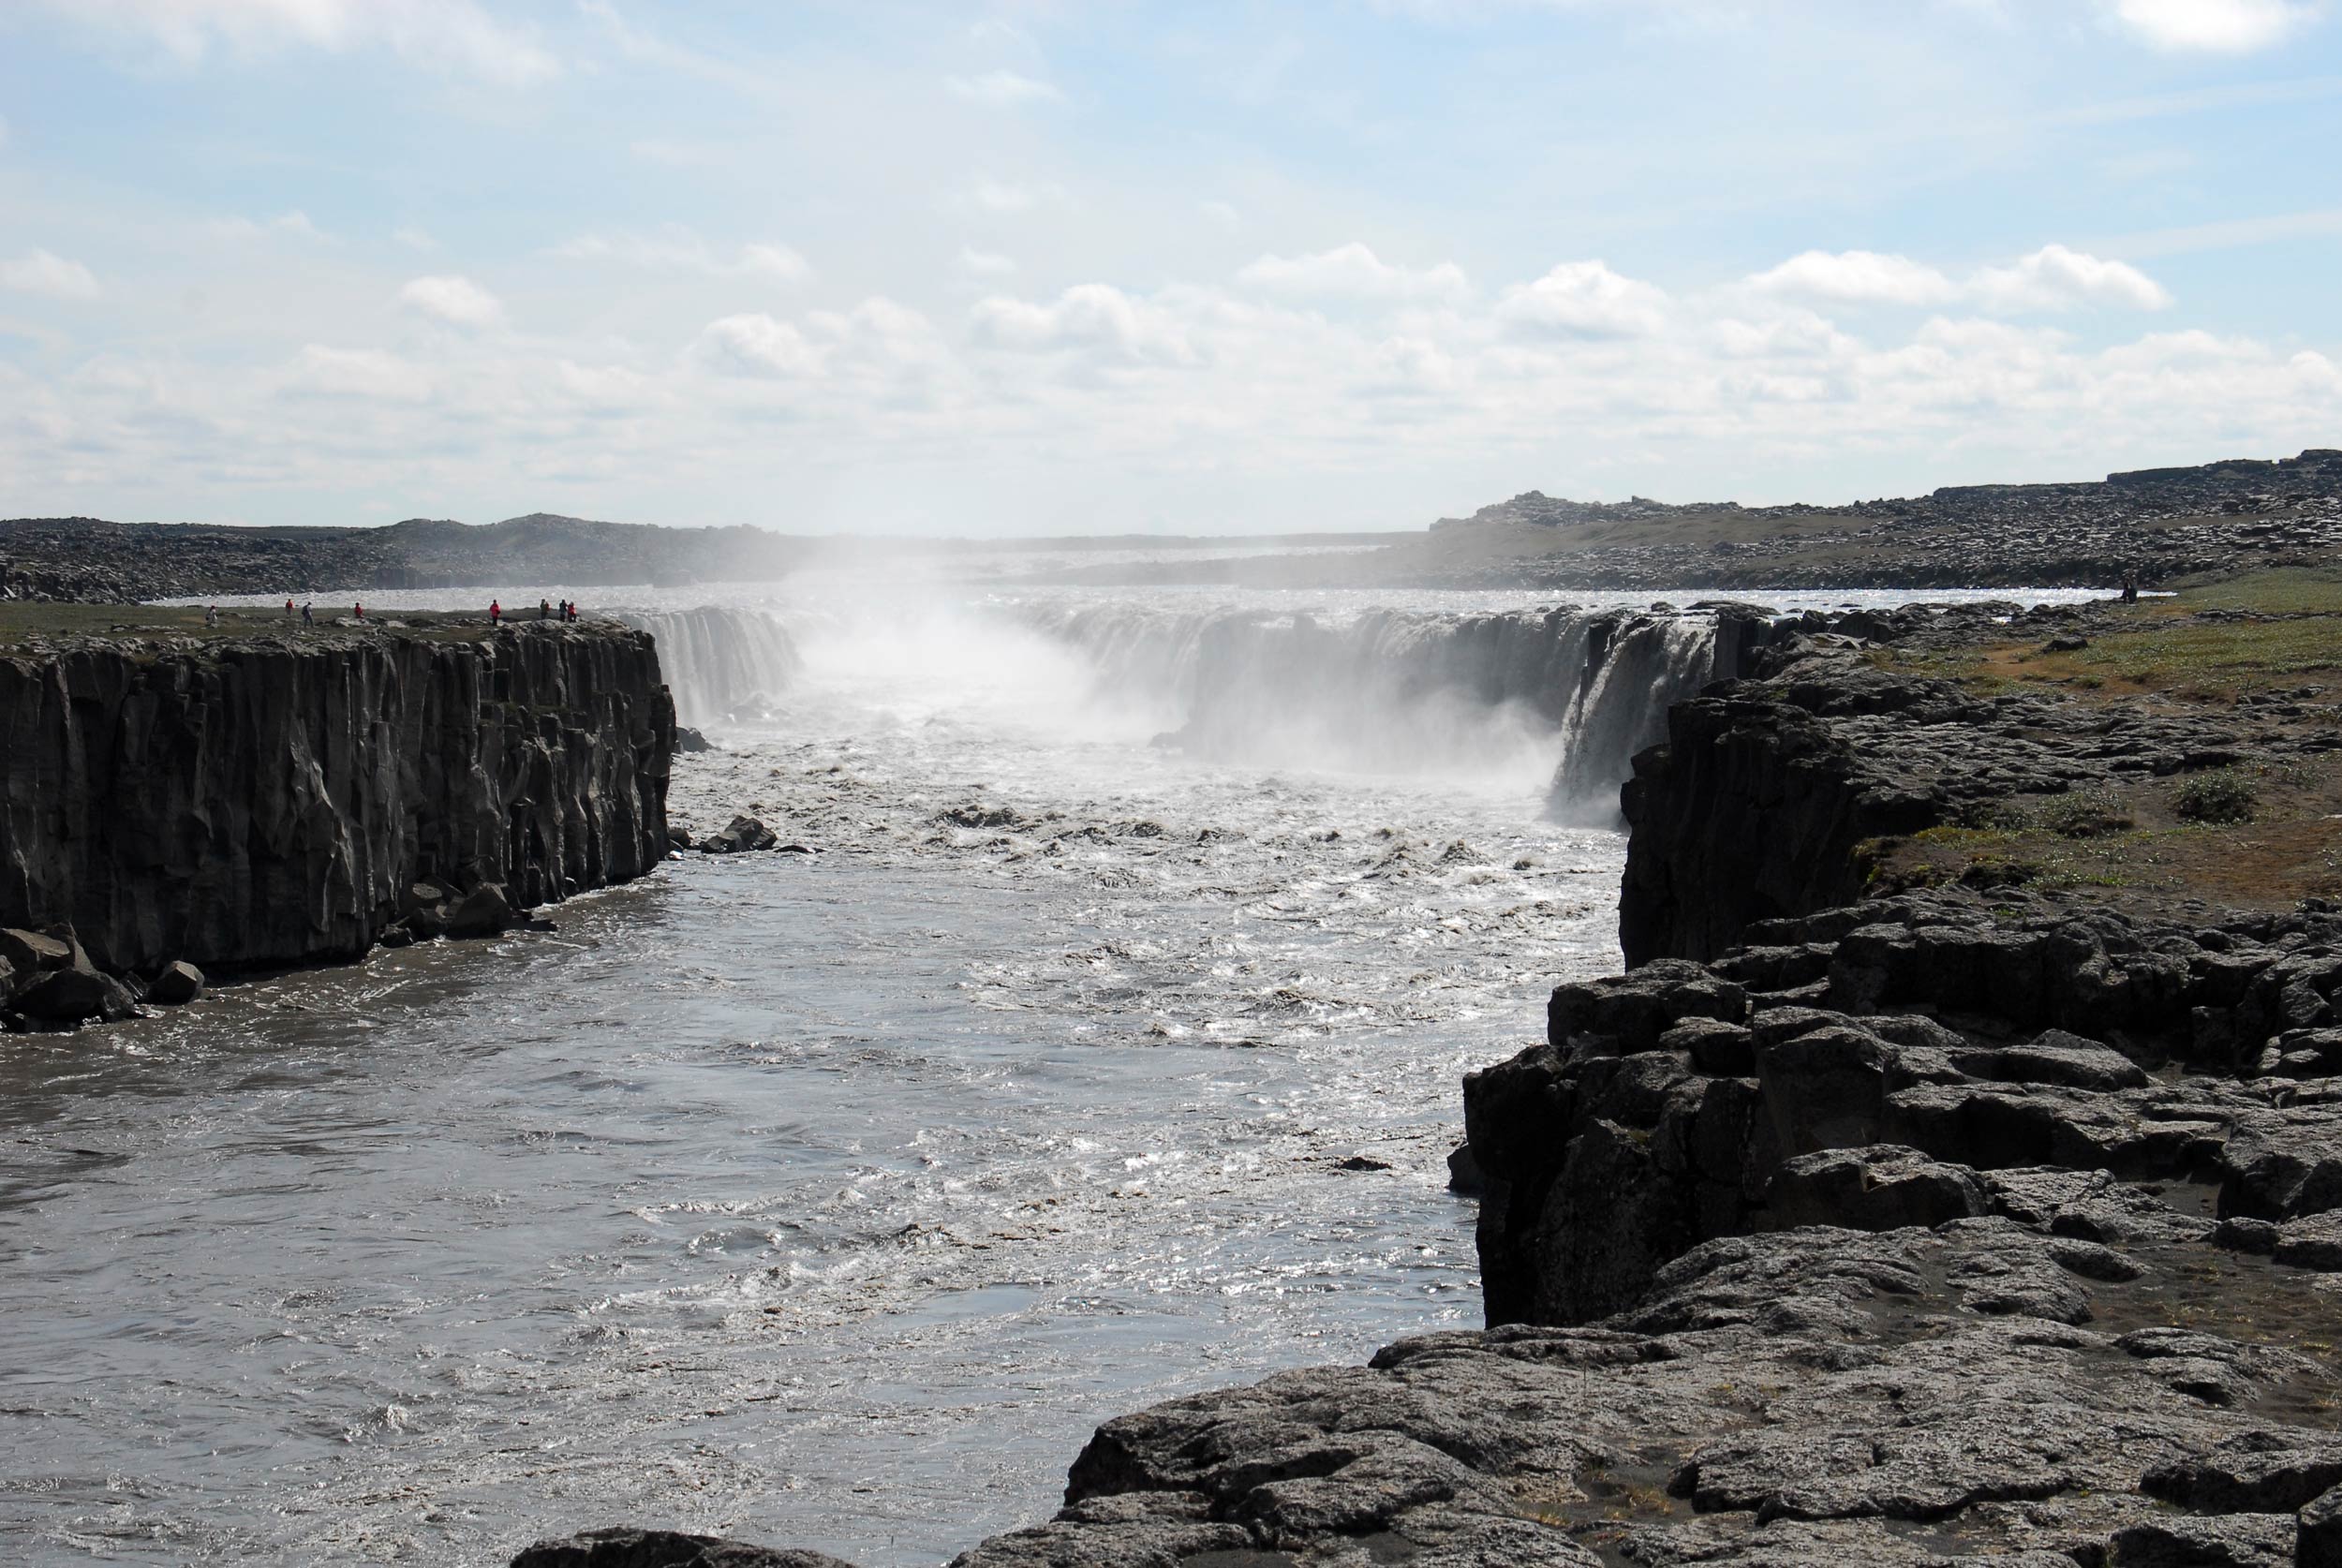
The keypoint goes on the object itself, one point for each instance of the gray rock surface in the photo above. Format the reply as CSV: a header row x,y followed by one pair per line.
x,y
271,801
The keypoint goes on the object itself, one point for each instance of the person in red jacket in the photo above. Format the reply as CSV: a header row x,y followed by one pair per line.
x,y
496,612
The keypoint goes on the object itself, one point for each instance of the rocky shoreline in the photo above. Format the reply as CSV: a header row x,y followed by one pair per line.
x,y
1900,1204
176,798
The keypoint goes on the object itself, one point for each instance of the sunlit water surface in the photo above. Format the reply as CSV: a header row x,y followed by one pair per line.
x,y
823,1199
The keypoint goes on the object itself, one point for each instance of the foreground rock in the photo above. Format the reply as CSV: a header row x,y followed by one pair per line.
x,y
662,1548
271,800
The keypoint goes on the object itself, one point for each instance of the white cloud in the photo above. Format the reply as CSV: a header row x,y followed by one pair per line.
x,y
1355,272
414,239
2054,277
1002,89
358,373
1582,299
755,344
1007,197
41,272
681,251
296,223
609,387
2213,26
985,264
459,302
1858,276
2051,278
446,34
1089,316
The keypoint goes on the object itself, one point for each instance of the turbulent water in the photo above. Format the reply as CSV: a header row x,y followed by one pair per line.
x,y
1106,1049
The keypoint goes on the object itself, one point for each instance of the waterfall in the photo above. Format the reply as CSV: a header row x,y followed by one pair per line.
x,y
1570,694
719,662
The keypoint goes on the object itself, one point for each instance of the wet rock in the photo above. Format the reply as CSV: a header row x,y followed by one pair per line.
x,y
741,835
1464,1173
485,911
689,741
625,1547
76,995
179,983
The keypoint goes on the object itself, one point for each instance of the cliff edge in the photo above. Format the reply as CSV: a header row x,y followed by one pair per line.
x,y
264,794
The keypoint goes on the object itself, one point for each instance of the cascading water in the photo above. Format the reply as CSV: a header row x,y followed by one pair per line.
x,y
1568,693
718,659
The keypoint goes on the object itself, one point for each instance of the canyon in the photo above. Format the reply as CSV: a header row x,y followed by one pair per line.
x,y
1909,1200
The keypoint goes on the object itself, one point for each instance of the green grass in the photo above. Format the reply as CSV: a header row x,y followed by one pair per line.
x,y
2222,795
2228,655
2280,591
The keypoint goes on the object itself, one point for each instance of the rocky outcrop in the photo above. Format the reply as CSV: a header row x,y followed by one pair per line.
x,y
1758,803
1862,1066
275,800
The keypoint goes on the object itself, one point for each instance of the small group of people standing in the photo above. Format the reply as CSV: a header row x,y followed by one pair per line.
x,y
546,610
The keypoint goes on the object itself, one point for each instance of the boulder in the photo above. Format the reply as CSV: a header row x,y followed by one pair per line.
x,y
1464,1177
742,835
30,952
179,983
73,996
483,911
625,1547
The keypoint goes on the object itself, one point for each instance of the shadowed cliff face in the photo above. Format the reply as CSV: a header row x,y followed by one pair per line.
x,y
271,801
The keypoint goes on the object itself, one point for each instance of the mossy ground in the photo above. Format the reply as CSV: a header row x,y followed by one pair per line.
x,y
2271,641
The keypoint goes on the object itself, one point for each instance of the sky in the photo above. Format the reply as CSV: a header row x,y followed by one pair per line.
x,y
888,267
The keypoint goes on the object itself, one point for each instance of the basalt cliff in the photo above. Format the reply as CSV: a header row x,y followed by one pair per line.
x,y
1955,1175
172,797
